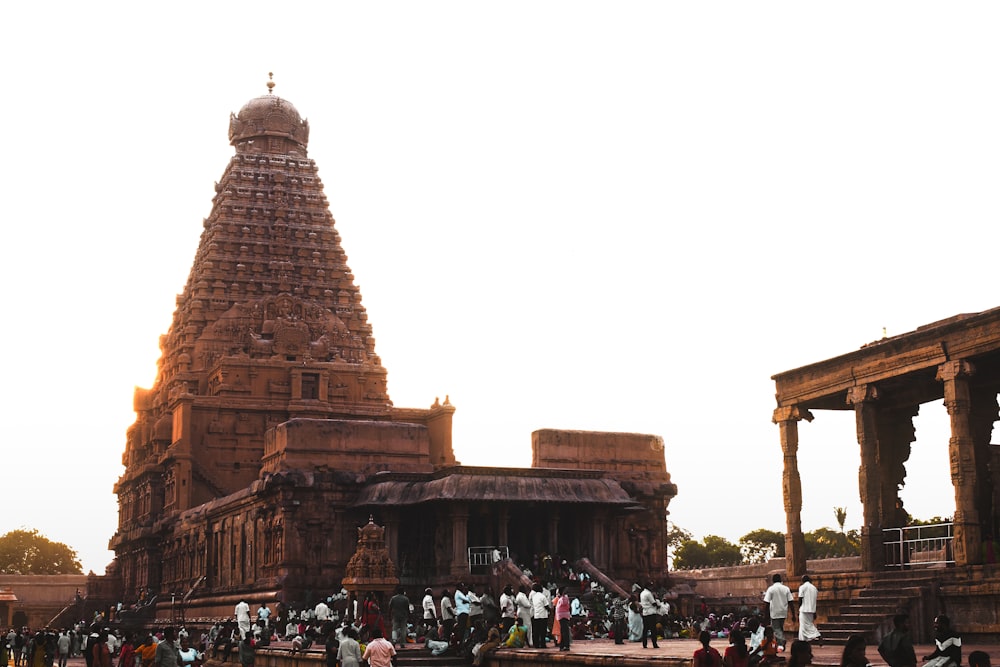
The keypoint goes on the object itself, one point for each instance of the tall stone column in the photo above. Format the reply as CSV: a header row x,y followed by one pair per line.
x,y
460,542
863,398
503,525
787,419
962,454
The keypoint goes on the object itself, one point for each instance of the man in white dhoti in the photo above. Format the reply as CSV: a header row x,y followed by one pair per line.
x,y
807,612
243,618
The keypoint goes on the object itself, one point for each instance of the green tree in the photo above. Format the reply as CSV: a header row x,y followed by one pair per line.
x,y
828,543
29,552
676,536
841,514
713,551
761,545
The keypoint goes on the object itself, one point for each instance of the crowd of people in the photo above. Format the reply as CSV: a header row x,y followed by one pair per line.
x,y
472,621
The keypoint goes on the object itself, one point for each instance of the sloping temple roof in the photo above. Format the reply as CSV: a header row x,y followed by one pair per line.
x,y
496,487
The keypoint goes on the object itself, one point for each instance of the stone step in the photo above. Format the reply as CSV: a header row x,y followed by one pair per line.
x,y
421,657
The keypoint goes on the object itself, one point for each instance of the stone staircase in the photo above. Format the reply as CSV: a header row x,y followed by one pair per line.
x,y
871,609
421,657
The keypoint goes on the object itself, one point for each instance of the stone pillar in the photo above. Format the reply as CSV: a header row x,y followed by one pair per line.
x,y
787,419
459,542
962,454
503,521
863,398
895,435
553,545
391,526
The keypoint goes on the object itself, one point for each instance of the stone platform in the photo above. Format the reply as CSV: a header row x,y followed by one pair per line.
x,y
596,652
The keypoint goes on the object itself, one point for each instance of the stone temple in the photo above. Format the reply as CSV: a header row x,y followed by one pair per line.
x,y
268,437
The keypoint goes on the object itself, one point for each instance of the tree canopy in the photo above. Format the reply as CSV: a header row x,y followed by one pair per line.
x,y
29,552
713,551
761,545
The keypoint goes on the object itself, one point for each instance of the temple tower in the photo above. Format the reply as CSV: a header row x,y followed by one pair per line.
x,y
269,328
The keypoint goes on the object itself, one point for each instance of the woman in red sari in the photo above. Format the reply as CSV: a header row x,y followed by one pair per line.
x,y
371,615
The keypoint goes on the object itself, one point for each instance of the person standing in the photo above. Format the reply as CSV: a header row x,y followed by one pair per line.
x,y
508,608
102,653
524,612
563,614
379,652
807,611
399,612
539,616
463,607
650,612
619,618
430,612
447,614
896,648
63,645
166,651
349,651
779,601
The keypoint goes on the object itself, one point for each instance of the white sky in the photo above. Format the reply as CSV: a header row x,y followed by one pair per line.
x,y
609,216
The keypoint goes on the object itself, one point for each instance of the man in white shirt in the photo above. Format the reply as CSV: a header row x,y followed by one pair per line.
x,y
430,612
779,601
650,614
322,612
807,611
243,618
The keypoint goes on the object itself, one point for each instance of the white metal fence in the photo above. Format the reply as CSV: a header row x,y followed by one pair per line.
x,y
483,557
918,545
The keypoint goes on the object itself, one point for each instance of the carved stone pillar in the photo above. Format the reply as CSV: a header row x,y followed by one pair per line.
x,y
895,435
553,536
787,419
962,454
863,398
459,541
392,537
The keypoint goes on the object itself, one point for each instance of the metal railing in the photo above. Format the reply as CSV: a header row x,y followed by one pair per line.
x,y
483,557
919,545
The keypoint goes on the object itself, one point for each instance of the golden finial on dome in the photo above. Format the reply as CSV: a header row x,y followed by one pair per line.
x,y
270,82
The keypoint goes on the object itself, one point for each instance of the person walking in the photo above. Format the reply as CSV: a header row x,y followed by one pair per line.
x,y
808,595
779,601
349,651
399,612
379,652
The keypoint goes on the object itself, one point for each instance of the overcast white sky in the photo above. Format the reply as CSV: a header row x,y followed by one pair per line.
x,y
580,215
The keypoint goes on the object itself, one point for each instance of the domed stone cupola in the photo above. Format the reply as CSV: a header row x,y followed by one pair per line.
x,y
269,124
